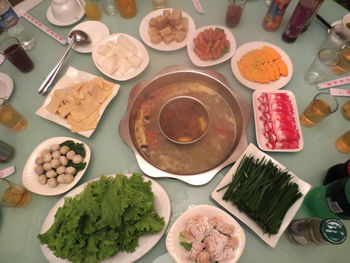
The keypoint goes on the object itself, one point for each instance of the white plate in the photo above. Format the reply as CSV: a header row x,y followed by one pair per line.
x,y
6,86
179,254
30,178
133,72
56,22
146,243
259,127
272,240
96,31
242,50
144,26
202,63
73,76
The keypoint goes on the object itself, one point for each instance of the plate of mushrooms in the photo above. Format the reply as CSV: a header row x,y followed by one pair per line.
x,y
56,165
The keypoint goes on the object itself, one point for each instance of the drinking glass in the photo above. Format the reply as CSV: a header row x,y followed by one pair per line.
x,y
159,4
10,117
15,53
92,10
343,142
324,62
13,195
234,12
336,38
6,152
110,7
320,107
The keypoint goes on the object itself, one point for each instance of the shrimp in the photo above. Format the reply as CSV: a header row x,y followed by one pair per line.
x,y
218,223
197,248
198,227
203,257
232,242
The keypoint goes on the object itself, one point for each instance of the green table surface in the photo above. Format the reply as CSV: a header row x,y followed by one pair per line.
x,y
20,226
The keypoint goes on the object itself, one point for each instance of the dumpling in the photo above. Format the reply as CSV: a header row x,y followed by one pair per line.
x,y
125,66
110,64
135,61
127,43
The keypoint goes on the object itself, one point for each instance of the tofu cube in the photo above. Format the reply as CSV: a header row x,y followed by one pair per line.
x,y
166,31
176,17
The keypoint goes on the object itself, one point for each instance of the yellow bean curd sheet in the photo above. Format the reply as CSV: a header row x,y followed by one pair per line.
x,y
79,103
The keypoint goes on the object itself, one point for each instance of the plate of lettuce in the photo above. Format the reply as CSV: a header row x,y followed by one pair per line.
x,y
115,218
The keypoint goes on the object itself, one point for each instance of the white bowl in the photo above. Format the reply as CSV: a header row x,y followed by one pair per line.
x,y
65,10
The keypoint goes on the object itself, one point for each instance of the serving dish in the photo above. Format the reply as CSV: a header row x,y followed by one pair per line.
x,y
186,162
133,72
144,26
96,31
146,243
271,240
30,178
206,63
249,46
179,254
259,125
73,76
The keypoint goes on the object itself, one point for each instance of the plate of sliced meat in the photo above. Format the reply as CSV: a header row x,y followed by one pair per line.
x,y
277,123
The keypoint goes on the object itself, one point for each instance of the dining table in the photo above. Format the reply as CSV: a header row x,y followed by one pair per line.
x,y
19,227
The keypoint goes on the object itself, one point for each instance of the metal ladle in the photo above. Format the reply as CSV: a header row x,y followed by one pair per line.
x,y
76,36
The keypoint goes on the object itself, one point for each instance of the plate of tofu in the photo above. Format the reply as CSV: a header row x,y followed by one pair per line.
x,y
166,29
78,100
120,56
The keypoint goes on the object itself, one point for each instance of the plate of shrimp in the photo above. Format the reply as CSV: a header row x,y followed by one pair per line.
x,y
205,234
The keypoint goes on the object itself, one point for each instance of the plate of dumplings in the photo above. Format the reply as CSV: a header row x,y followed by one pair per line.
x,y
120,56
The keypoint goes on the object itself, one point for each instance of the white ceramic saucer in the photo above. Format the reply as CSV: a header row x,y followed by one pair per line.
x,y
6,86
56,22
96,31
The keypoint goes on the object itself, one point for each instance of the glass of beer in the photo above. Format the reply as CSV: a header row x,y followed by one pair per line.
x,y
13,195
320,107
10,117
343,142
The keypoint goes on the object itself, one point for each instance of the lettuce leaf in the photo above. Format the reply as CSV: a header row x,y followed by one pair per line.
x,y
107,217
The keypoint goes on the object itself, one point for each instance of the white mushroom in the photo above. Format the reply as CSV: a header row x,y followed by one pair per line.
x,y
42,179
63,160
39,160
43,152
51,174
68,178
56,154
47,158
52,182
60,169
78,159
55,147
70,170
70,155
55,163
60,178
38,169
64,149
47,166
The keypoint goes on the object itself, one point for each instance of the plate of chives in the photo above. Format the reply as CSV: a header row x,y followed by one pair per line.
x,y
274,216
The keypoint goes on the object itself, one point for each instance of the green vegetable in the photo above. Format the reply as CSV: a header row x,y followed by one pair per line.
x,y
78,148
225,50
107,217
262,191
186,246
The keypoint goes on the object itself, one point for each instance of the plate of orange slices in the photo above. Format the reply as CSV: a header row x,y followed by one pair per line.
x,y
261,65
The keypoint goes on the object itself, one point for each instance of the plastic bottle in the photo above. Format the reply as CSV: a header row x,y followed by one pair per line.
x,y
10,21
330,201
303,12
274,15
317,231
336,172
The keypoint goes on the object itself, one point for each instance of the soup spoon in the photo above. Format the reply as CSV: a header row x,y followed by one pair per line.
x,y
76,36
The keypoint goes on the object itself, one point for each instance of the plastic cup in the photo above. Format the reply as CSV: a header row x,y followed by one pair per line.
x,y
13,195
234,12
343,142
319,108
10,117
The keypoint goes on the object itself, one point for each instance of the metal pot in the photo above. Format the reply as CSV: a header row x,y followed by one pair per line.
x,y
219,86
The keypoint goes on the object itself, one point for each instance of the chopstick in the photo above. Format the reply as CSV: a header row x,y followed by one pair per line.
x,y
324,22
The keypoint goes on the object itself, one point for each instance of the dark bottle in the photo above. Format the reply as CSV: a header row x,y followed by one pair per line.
x,y
336,172
302,14
317,231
